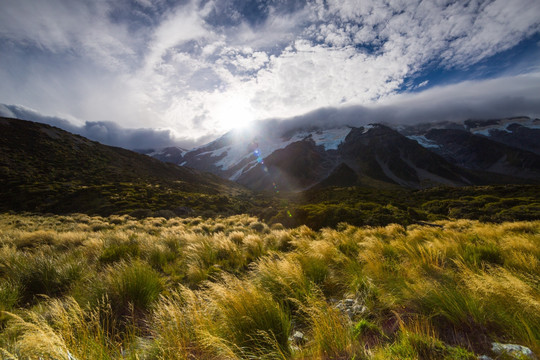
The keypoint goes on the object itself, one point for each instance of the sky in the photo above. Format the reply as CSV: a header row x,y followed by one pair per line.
x,y
152,73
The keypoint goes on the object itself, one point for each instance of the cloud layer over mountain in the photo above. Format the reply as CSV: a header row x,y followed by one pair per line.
x,y
502,97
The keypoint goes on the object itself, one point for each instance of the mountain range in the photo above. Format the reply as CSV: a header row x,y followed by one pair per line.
x,y
364,175
475,152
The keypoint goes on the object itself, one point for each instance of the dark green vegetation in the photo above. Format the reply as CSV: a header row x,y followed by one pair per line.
x,y
365,206
47,170
235,288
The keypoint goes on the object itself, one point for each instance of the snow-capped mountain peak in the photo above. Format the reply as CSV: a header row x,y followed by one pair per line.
x,y
239,151
266,158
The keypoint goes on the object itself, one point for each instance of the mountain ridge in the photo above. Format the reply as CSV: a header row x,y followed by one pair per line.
x,y
420,160
45,168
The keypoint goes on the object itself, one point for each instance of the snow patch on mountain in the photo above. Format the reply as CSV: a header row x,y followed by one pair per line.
x,y
425,142
237,148
167,151
330,138
367,128
504,124
236,175
237,152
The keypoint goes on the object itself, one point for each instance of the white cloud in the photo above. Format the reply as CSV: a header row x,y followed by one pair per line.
x,y
422,84
183,25
183,72
493,98
68,27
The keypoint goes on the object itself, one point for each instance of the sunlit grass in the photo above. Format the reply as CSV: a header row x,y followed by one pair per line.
x,y
235,288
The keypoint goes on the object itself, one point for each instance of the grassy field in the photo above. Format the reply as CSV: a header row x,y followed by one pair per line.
x,y
235,288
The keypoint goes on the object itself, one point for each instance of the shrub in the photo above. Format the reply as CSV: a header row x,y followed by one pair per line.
x,y
167,214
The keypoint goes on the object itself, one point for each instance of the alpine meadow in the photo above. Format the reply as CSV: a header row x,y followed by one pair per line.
x,y
270,179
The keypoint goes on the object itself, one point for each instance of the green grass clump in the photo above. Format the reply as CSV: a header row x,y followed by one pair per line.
x,y
249,318
45,274
418,346
134,285
10,295
116,252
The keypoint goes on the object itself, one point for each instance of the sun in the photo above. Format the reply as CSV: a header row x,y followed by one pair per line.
x,y
235,113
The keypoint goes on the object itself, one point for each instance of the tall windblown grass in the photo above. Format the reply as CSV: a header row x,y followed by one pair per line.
x,y
61,329
248,318
227,319
330,332
234,288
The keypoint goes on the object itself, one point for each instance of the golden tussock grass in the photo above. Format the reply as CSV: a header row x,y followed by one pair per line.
x,y
234,288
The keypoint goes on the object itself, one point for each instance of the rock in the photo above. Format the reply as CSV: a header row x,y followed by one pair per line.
x,y
298,337
513,350
358,309
350,307
484,357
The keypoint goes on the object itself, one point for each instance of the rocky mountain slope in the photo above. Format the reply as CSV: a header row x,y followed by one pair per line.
x,y
424,155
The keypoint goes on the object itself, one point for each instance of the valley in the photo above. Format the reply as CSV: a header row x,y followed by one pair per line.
x,y
335,244
269,179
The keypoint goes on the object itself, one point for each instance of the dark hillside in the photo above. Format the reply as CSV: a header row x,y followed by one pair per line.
x,y
43,168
